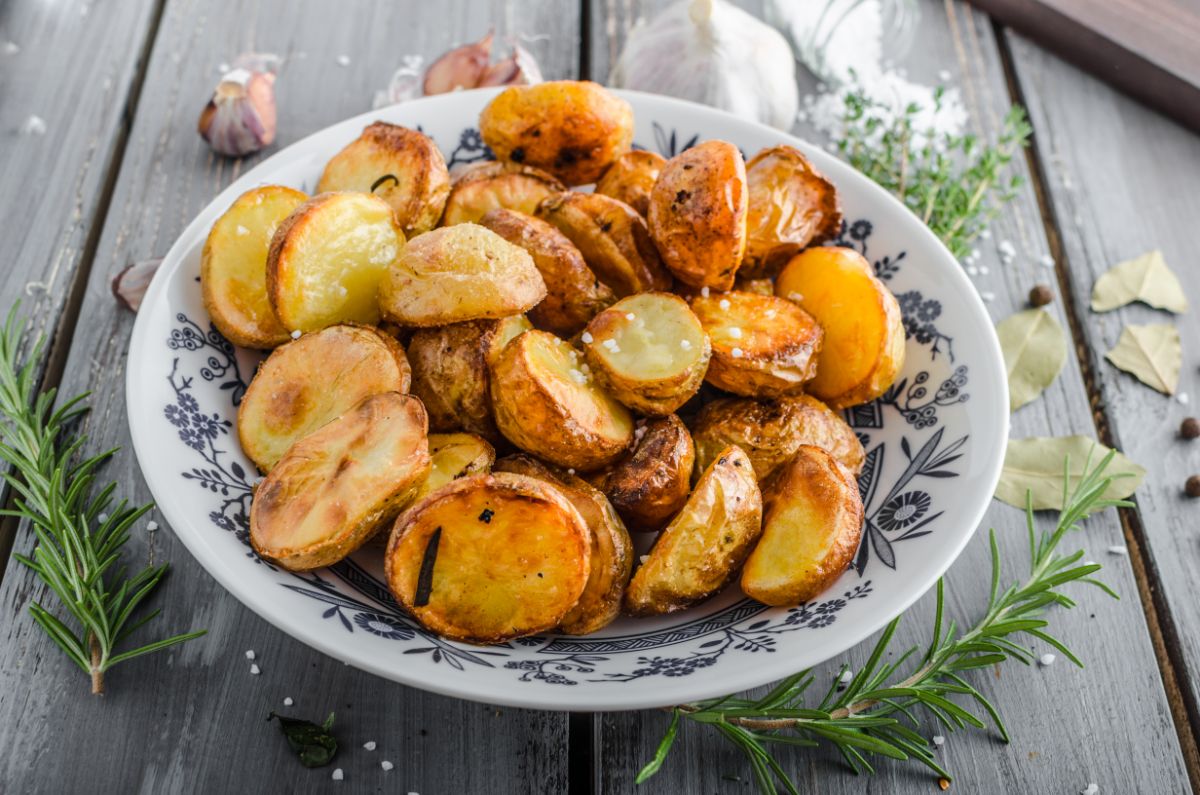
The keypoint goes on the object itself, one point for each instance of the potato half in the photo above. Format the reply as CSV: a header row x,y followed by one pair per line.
x,y
631,178
308,382
863,351
704,545
812,524
340,484
649,351
547,405
457,273
487,558
651,484
453,456
233,266
327,258
490,185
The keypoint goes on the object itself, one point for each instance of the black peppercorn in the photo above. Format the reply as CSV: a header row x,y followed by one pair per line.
x,y
1193,486
1041,295
1190,428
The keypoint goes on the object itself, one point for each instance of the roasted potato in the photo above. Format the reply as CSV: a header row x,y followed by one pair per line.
x,y
233,266
648,351
762,346
573,294
792,206
453,456
327,258
863,351
771,431
611,552
613,239
547,405
401,166
574,129
450,367
631,178
756,286
308,382
651,484
704,545
698,214
340,484
490,185
812,524
457,273
487,558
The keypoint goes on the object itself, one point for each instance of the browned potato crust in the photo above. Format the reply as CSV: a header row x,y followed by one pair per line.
x,y
812,525
756,286
490,185
631,178
652,483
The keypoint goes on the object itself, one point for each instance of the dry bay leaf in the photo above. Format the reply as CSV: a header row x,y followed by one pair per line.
x,y
1036,465
1035,350
1146,278
1152,353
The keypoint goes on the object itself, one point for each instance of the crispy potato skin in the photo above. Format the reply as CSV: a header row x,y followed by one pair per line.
x,y
652,483
574,129
309,381
340,484
812,525
756,286
573,294
792,206
233,266
541,408
698,214
513,557
611,552
453,456
486,186
631,178
419,182
705,544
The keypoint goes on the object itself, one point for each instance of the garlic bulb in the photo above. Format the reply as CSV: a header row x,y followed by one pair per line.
x,y
240,117
712,52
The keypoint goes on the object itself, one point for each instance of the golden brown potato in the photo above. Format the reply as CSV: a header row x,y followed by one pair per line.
x,y
340,484
698,214
631,178
308,382
648,351
233,266
770,431
487,558
792,206
762,346
401,166
652,483
704,545
450,367
453,456
457,273
574,129
812,524
489,185
613,239
863,350
756,286
611,552
573,294
547,405
327,259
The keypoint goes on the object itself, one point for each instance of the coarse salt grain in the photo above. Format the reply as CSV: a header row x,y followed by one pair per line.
x,y
34,125
972,270
735,332
586,337
241,230
249,654
296,334
983,270
578,377
338,775
151,526
987,295
11,48
1118,550
570,471
612,346
369,745
939,740
386,765
1006,249
287,702
254,669
1046,261
736,353
1047,659
845,677
704,291
770,313
685,344
644,558
103,518
343,60
1090,789
1183,398
724,303
630,316
984,234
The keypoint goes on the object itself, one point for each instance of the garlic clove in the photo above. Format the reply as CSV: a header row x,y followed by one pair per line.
x,y
404,85
519,69
130,285
461,67
240,117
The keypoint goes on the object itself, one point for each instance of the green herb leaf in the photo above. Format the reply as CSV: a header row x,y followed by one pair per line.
x,y
315,745
1146,278
1035,350
1033,470
1151,353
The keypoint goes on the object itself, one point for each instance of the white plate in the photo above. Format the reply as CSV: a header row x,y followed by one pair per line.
x,y
933,460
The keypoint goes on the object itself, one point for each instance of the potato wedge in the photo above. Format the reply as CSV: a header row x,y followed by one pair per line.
x,y
812,525
340,484
611,552
704,545
613,239
574,129
762,346
453,456
545,404
490,185
863,351
698,214
573,294
233,266
401,166
450,366
487,558
327,259
792,206
652,483
308,382
631,178
648,351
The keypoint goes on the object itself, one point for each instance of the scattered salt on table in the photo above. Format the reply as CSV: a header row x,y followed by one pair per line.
x,y
369,745
254,669
1090,789
386,765
1118,550
338,775
249,654
287,702
939,740
1047,659
343,60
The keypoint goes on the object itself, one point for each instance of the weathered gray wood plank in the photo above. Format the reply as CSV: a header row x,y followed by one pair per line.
x,y
192,720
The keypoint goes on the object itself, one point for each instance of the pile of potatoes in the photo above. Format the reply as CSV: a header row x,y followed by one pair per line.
x,y
664,354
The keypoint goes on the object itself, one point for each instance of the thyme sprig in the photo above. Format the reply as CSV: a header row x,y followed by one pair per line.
x,y
879,712
79,532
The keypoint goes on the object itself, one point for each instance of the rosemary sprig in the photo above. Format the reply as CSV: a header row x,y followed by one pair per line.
x,y
878,714
79,537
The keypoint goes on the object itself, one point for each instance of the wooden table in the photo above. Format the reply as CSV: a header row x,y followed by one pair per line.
x,y
120,170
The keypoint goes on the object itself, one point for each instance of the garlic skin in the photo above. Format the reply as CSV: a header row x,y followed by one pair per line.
x,y
130,285
459,68
240,118
518,69
711,52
